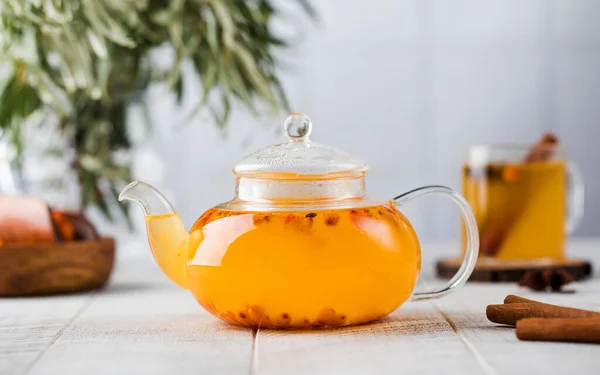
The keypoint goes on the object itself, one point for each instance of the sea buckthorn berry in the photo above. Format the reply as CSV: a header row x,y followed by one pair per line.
x,y
259,219
328,317
284,320
204,219
331,219
299,223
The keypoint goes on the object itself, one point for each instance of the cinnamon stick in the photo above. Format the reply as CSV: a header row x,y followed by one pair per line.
x,y
559,329
510,313
542,150
511,298
491,238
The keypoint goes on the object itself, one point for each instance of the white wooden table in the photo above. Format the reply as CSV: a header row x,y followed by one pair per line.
x,y
143,324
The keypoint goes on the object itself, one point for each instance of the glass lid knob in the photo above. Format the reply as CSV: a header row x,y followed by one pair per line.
x,y
299,156
297,127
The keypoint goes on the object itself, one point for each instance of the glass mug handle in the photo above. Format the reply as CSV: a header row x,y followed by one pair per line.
x,y
472,250
576,197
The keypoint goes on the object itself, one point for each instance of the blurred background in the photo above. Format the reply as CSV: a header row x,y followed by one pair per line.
x,y
406,85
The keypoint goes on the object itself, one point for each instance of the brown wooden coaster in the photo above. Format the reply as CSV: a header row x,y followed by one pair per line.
x,y
494,270
55,267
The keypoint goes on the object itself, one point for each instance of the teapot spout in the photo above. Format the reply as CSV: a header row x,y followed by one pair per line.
x,y
150,200
166,234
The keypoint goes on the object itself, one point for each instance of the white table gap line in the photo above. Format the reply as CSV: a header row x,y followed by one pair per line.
x,y
58,334
485,366
254,358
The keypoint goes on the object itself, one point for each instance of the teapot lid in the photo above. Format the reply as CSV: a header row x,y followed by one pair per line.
x,y
299,156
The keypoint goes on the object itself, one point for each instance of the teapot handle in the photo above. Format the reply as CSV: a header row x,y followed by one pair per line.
x,y
576,197
472,250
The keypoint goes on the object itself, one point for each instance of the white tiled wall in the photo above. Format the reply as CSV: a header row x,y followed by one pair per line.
x,y
407,85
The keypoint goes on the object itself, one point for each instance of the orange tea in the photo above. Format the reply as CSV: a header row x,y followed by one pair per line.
x,y
520,208
300,245
296,269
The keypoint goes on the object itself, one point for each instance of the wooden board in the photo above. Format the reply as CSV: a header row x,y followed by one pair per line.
x,y
512,270
142,323
55,267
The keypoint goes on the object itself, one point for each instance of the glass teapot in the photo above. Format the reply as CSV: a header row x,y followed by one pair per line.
x,y
300,245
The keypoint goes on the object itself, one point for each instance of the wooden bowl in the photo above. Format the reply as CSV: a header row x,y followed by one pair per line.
x,y
57,267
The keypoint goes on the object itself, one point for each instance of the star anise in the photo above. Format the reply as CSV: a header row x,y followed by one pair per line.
x,y
554,279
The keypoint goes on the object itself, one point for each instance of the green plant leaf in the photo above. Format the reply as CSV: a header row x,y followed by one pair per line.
x,y
86,61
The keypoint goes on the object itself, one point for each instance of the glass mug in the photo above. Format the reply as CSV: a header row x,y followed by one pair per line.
x,y
521,205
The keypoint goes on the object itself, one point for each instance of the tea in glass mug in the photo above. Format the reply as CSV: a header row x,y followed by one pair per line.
x,y
518,194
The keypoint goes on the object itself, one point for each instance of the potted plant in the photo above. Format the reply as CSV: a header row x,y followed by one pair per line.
x,y
81,63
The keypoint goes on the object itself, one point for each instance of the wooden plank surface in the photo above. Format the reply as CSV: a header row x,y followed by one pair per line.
x,y
415,339
497,348
143,324
28,326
